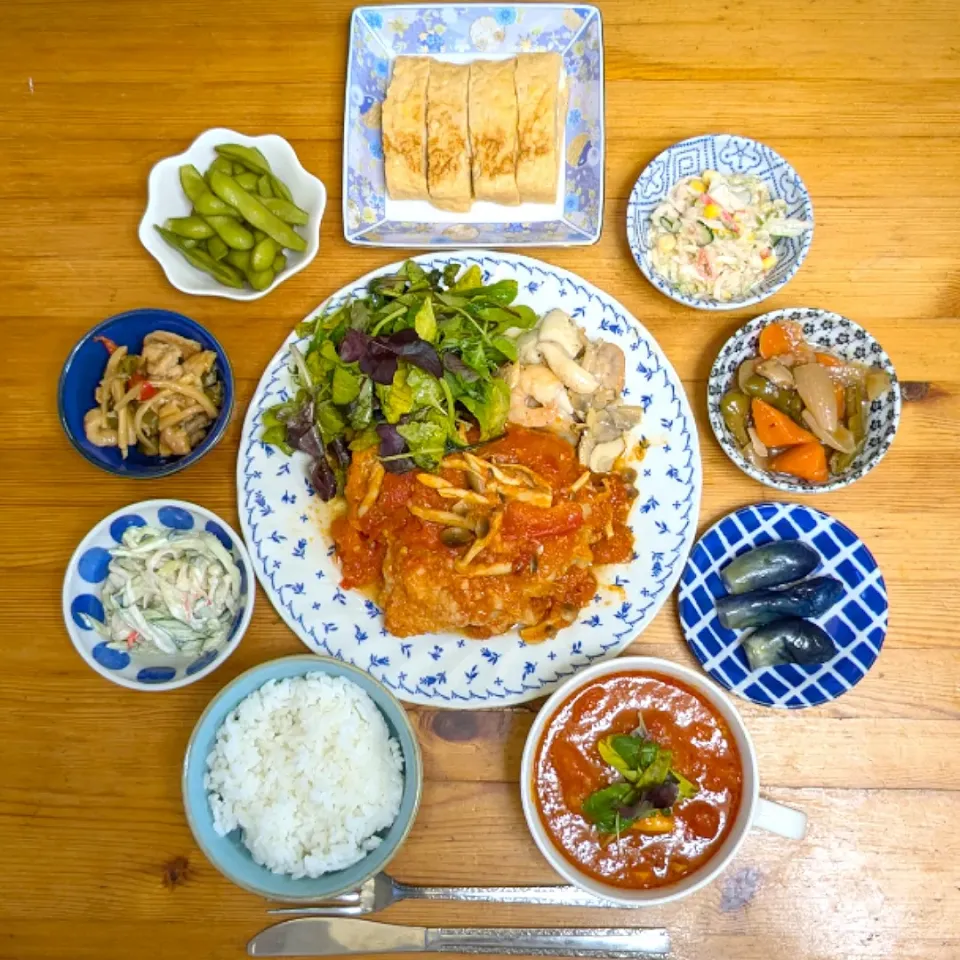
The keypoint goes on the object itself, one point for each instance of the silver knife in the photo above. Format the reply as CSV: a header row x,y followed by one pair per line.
x,y
319,937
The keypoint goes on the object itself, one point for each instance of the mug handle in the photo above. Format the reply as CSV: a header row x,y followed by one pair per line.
x,y
776,818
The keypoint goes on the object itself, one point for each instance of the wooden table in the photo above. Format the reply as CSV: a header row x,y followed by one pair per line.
x,y
863,97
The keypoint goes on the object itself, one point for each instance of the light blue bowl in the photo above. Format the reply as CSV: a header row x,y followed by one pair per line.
x,y
728,154
228,854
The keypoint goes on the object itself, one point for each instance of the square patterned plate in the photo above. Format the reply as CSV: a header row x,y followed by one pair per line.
x,y
461,33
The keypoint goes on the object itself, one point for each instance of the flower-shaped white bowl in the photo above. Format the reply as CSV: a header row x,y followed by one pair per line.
x,y
165,198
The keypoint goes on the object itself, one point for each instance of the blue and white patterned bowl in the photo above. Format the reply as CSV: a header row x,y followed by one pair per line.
x,y
87,571
282,521
857,624
728,154
83,371
228,854
827,331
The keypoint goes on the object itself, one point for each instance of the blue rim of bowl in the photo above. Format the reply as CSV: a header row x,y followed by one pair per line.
x,y
212,438
781,482
305,658
634,242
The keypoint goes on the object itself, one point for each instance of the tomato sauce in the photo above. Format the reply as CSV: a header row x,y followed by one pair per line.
x,y
568,768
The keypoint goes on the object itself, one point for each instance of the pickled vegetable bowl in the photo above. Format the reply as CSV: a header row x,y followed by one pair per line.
x,y
804,400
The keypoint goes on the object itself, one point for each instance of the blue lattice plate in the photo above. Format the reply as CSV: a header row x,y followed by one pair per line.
x,y
87,571
728,154
462,33
284,525
857,624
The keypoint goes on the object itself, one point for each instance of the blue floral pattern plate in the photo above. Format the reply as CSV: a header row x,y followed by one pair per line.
x,y
857,624
728,154
293,556
87,571
462,33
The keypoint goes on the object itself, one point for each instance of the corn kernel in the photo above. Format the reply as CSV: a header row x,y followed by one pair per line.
x,y
711,211
768,262
667,243
697,186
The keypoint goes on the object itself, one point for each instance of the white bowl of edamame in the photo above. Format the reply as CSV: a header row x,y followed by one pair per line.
x,y
232,216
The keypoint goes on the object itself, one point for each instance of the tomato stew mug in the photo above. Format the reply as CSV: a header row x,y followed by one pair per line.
x,y
754,810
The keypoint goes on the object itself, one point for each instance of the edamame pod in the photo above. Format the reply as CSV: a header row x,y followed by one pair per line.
x,y
264,188
239,259
207,205
233,234
217,248
279,262
192,182
259,235
249,157
254,212
238,168
202,260
260,279
248,181
263,254
281,189
222,164
288,212
196,228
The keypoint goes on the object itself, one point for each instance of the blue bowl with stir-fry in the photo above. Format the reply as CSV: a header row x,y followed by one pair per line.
x,y
158,594
145,393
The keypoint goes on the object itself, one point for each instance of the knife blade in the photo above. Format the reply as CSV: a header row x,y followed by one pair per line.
x,y
324,937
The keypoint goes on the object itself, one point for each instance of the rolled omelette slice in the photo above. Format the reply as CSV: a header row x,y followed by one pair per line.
x,y
493,131
542,110
405,129
448,140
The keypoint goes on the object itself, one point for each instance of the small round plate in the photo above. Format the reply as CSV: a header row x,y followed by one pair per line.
x,y
822,330
857,624
87,571
728,154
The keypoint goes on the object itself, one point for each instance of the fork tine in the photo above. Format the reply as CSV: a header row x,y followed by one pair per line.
x,y
351,910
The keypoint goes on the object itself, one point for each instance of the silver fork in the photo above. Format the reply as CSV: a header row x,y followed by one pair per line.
x,y
380,891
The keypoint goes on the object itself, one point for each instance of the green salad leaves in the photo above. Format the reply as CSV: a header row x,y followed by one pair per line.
x,y
411,367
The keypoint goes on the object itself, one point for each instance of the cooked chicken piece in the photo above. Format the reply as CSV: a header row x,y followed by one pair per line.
x,y
606,362
176,440
162,361
186,346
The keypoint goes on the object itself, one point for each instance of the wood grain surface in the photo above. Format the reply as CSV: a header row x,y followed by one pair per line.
x,y
863,96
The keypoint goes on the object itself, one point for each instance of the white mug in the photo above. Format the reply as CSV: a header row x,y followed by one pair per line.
x,y
754,810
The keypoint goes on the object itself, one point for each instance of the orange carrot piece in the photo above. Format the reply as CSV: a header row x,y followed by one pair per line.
x,y
840,396
774,341
808,461
827,360
776,429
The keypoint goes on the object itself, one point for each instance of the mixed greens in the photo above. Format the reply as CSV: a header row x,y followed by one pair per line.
x,y
650,786
410,368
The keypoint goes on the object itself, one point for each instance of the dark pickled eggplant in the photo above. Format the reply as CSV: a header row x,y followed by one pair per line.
x,y
808,599
792,640
771,565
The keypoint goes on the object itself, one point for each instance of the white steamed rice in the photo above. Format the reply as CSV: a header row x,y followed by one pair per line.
x,y
307,769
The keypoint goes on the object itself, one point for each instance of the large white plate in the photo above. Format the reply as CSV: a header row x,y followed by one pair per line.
x,y
293,555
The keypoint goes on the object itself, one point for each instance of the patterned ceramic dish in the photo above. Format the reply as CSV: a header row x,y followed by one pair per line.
x,y
83,371
728,154
165,198
87,570
228,854
281,517
461,33
833,333
857,624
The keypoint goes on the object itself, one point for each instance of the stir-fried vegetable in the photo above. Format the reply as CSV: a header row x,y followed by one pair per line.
x,y
410,368
800,411
714,236
174,592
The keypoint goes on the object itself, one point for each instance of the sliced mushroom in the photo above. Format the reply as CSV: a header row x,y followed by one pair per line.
x,y
557,327
604,455
570,373
456,536
528,351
